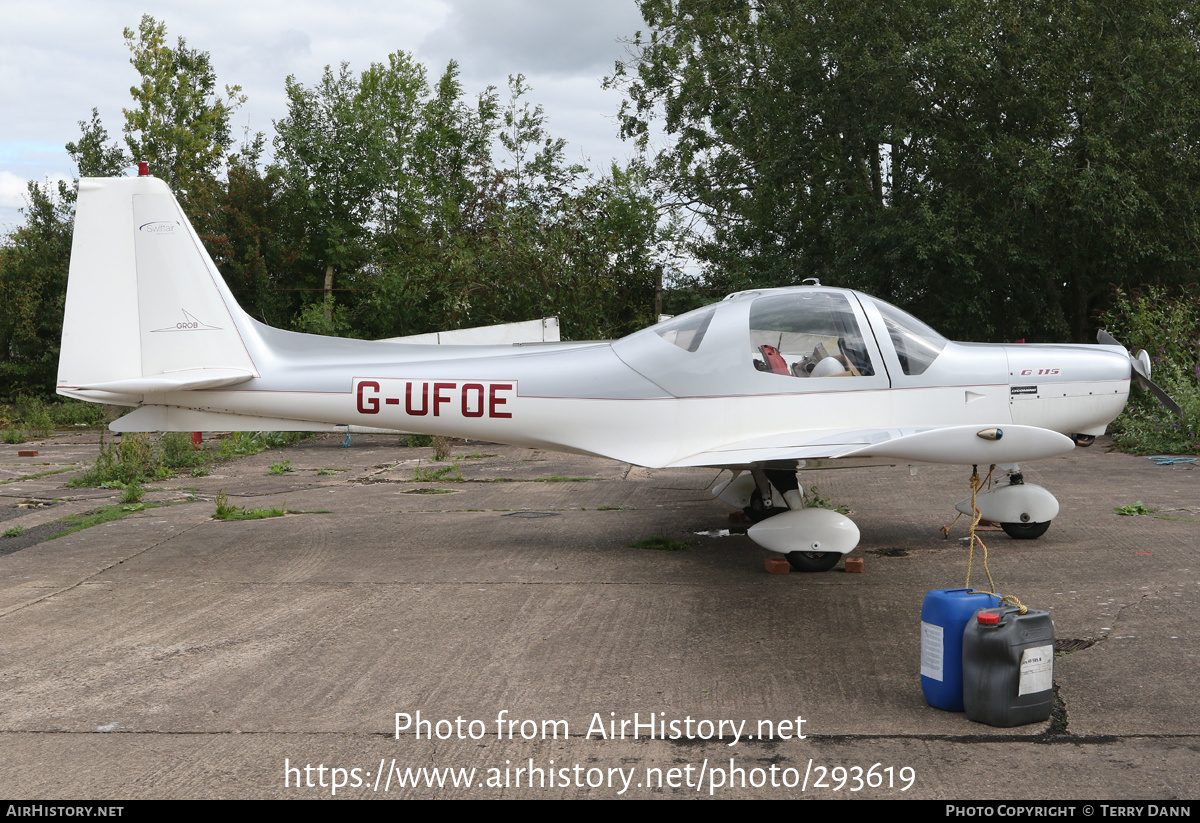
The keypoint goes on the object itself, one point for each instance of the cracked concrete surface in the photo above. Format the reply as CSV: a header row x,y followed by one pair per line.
x,y
170,655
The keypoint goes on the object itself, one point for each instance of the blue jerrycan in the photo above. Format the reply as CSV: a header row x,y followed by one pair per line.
x,y
944,615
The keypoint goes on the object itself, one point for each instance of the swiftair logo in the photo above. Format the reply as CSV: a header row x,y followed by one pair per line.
x,y
159,227
189,323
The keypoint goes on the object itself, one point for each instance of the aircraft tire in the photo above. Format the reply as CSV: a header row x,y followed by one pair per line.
x,y
813,561
1025,531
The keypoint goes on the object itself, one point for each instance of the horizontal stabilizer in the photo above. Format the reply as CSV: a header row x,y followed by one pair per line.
x,y
174,381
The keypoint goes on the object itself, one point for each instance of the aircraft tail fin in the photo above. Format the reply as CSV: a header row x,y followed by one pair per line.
x,y
147,311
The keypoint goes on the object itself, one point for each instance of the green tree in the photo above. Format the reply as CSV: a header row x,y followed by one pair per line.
x,y
34,261
991,166
33,280
93,154
180,122
248,238
432,164
492,225
324,152
1166,323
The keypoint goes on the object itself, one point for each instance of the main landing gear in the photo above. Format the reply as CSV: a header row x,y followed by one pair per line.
x,y
1023,510
813,540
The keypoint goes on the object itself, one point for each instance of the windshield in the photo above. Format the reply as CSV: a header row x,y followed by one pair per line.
x,y
917,345
687,330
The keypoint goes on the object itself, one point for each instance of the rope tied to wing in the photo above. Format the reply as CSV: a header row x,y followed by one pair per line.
x,y
976,485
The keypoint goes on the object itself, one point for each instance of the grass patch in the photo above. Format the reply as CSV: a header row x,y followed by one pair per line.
x,y
280,467
227,511
416,441
75,413
660,543
327,472
135,459
140,458
176,451
78,522
444,474
34,476
14,531
1134,509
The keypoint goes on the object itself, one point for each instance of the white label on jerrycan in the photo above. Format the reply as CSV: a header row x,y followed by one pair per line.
x,y
932,648
1037,670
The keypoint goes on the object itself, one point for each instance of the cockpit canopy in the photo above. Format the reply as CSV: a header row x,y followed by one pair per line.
x,y
808,333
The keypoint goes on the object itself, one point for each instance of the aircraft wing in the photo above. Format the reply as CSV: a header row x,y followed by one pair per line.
x,y
966,445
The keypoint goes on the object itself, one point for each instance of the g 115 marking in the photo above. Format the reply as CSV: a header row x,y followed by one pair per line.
x,y
431,398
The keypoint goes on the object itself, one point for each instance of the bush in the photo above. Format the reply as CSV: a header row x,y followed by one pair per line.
x,y
34,415
178,452
238,444
138,458
71,412
30,416
1167,326
134,460
132,492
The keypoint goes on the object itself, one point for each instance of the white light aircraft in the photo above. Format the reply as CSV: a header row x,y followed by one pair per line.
x,y
762,383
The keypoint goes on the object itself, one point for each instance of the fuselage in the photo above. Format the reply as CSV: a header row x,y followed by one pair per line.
x,y
744,368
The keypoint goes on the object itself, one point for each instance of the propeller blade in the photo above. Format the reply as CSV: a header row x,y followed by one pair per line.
x,y
1161,394
1141,374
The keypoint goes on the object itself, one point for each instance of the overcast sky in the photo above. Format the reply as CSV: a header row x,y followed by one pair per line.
x,y
60,59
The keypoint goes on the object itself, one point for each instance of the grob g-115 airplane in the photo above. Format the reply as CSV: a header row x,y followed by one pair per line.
x,y
764,383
